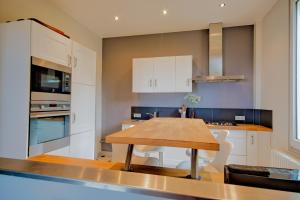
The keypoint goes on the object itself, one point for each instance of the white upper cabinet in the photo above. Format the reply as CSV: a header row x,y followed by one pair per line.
x,y
49,45
162,74
84,65
183,73
142,75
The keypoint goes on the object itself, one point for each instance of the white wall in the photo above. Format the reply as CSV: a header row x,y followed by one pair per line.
x,y
275,71
45,11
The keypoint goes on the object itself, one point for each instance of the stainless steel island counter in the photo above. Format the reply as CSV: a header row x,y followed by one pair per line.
x,y
134,183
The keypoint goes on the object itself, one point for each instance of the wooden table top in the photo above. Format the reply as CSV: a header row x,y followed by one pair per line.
x,y
171,132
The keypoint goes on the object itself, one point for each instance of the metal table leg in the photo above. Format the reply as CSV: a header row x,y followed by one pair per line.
x,y
128,157
194,164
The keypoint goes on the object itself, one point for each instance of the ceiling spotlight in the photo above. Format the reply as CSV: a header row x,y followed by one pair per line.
x,y
165,12
116,18
222,5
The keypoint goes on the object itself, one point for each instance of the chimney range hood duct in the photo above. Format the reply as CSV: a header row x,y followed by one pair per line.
x,y
216,58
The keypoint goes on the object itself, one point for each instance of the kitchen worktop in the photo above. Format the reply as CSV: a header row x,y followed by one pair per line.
x,y
241,127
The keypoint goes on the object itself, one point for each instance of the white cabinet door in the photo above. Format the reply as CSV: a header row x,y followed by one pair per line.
x,y
164,74
264,149
61,152
142,75
84,65
239,142
252,148
82,145
82,108
49,45
239,160
184,71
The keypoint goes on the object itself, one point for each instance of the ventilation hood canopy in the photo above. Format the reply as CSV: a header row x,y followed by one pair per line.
x,y
216,58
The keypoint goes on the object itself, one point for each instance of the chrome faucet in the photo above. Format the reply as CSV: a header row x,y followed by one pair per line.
x,y
154,115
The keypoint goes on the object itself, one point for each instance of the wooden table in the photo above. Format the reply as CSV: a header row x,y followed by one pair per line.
x,y
171,132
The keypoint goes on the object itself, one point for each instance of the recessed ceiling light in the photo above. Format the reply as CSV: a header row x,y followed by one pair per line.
x,y
116,18
165,12
222,5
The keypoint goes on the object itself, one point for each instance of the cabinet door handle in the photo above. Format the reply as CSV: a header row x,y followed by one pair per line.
x,y
69,60
75,62
155,83
73,118
150,83
252,139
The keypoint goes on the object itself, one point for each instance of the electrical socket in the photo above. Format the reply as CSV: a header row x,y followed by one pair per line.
x,y
240,118
137,115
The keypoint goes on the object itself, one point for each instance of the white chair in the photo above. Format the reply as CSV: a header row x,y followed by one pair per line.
x,y
217,163
119,152
148,151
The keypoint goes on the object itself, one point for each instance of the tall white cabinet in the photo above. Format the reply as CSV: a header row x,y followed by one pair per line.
x,y
82,144
19,41
82,136
162,74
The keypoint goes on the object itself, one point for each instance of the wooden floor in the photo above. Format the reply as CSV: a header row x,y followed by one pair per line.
x,y
211,177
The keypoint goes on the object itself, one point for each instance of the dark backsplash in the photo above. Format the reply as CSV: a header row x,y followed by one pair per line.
x,y
252,116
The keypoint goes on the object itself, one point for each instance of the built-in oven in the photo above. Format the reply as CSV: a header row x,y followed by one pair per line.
x,y
48,77
49,126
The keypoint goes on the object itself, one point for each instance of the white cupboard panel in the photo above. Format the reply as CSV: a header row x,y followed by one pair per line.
x,y
239,142
84,65
252,148
142,75
164,74
82,145
49,45
264,148
82,108
239,160
65,151
184,71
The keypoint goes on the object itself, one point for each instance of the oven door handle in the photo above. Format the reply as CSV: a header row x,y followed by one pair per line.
x,y
49,114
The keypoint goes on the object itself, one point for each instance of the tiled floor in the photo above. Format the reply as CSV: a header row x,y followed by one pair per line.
x,y
105,156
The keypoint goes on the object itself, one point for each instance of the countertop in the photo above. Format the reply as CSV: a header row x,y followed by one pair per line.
x,y
138,183
241,127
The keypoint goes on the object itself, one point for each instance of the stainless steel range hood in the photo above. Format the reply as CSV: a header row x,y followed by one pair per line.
x,y
216,58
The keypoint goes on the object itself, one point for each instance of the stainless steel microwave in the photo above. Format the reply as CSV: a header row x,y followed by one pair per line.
x,y
49,77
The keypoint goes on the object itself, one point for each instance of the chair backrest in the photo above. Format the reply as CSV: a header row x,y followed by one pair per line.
x,y
225,150
221,135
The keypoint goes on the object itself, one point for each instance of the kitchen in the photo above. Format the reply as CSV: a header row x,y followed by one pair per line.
x,y
121,79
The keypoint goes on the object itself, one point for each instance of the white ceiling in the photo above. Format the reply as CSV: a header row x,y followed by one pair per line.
x,y
138,17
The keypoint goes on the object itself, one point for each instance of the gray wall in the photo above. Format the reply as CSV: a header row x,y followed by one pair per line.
x,y
117,71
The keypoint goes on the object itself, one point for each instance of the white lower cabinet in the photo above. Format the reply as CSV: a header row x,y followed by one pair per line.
x,y
252,148
82,145
234,159
249,147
